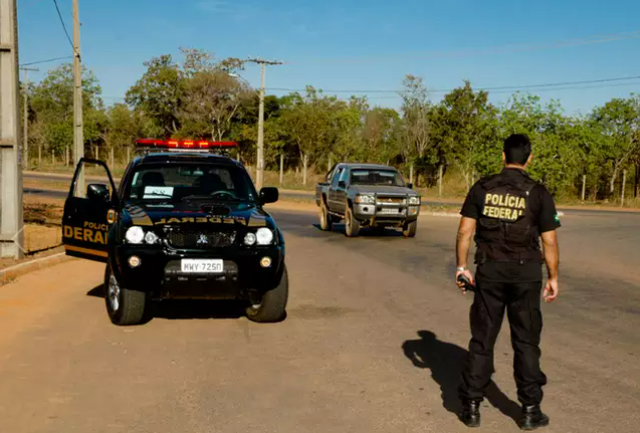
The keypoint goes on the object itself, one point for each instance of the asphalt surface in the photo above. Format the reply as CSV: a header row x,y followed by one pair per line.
x,y
373,342
42,191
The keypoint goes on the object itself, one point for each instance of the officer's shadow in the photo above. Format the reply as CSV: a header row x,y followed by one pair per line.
x,y
445,360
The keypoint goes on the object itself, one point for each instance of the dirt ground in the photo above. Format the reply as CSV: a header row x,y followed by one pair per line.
x,y
373,342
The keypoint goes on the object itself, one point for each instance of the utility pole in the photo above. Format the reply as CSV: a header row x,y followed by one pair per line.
x,y
260,158
11,220
78,136
25,117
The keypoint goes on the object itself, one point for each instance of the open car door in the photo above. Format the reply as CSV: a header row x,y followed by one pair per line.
x,y
84,222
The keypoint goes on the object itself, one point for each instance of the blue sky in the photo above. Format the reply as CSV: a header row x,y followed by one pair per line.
x,y
370,45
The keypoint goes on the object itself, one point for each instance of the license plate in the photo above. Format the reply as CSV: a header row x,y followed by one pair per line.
x,y
202,266
388,211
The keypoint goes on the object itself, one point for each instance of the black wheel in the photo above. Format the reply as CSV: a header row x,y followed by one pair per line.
x,y
325,219
125,306
409,229
273,305
351,225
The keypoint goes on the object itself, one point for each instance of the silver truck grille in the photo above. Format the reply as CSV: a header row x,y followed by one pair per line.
x,y
391,200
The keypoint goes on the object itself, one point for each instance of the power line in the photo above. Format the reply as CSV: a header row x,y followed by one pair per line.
x,y
549,89
509,48
64,27
46,61
520,87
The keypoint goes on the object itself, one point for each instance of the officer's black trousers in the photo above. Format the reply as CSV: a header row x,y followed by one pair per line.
x,y
522,302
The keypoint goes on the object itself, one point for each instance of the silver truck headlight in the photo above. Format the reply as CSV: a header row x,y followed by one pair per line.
x,y
415,200
264,236
366,199
134,235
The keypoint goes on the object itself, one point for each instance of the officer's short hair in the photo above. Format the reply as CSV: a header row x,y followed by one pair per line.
x,y
517,149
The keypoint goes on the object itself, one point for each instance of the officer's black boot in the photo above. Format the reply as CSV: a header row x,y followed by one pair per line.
x,y
532,418
470,414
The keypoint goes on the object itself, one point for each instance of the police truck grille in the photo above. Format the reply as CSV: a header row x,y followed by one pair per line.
x,y
199,239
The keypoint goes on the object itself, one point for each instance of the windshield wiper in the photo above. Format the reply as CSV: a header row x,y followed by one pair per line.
x,y
208,197
156,194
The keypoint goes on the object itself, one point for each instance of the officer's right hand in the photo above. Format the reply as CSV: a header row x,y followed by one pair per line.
x,y
551,290
467,273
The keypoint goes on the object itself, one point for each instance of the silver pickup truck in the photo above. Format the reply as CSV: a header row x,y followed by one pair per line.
x,y
367,195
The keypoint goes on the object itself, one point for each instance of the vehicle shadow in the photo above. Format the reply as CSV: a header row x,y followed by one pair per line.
x,y
180,309
445,360
183,309
366,231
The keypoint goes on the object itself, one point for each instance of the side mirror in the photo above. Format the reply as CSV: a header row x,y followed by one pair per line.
x,y
342,184
98,192
269,195
409,185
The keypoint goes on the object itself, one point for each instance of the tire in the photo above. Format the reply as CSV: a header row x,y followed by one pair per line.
x,y
124,306
325,219
409,229
351,225
273,306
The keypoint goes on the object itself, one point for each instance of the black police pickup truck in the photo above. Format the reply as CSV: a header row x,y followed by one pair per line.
x,y
184,223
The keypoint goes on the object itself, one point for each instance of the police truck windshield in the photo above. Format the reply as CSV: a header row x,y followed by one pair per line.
x,y
376,177
178,182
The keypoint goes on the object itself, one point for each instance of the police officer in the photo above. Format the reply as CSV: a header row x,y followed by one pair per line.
x,y
509,212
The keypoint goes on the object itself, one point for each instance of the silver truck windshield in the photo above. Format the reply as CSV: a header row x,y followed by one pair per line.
x,y
376,177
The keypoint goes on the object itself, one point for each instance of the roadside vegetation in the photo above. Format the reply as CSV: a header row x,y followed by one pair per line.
x,y
443,147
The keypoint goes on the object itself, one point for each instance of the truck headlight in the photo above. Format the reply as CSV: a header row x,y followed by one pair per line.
x,y
134,235
264,236
366,199
250,239
415,200
151,238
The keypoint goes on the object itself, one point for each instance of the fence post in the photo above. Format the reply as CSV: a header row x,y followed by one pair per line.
x,y
111,158
304,169
66,156
281,168
440,181
411,173
53,157
40,155
96,152
584,185
624,181
128,154
329,166
636,181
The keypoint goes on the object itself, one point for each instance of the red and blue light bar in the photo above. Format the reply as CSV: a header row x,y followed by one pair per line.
x,y
184,144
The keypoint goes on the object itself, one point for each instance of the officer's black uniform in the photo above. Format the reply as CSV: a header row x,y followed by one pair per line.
x,y
511,210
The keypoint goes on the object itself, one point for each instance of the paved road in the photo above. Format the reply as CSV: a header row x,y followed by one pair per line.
x,y
41,190
373,342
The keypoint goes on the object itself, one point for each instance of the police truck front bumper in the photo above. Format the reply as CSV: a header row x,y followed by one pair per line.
x,y
158,271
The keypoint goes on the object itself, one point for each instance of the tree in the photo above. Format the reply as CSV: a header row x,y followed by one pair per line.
x,y
52,104
463,127
381,135
619,120
211,100
158,94
415,113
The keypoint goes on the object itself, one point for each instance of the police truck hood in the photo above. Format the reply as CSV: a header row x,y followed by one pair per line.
x,y
196,211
